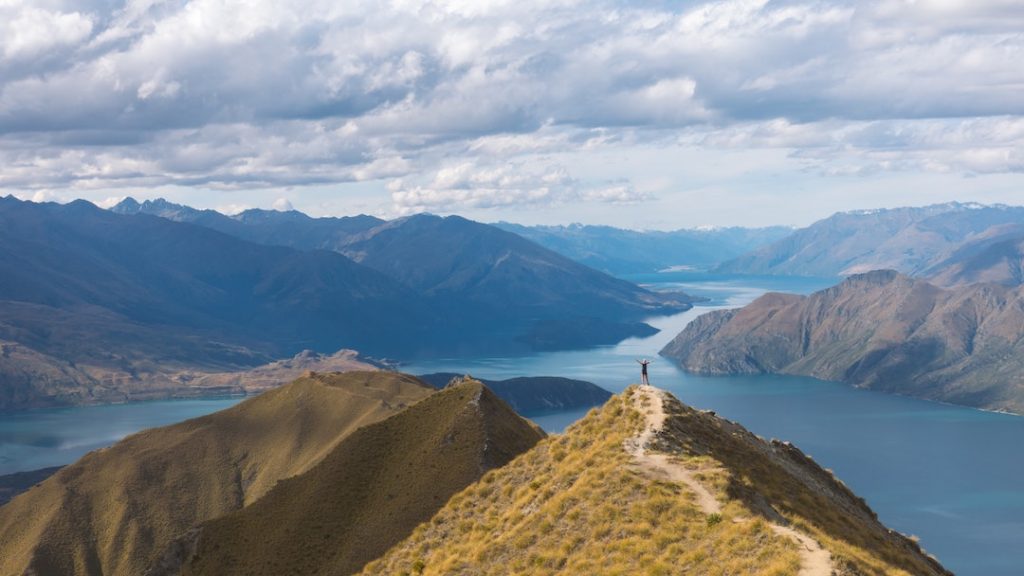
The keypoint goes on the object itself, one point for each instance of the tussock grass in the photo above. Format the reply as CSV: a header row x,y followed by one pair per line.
x,y
575,505
777,482
369,492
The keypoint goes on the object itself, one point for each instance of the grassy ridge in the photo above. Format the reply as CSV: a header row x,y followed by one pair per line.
x,y
368,493
115,511
776,481
575,504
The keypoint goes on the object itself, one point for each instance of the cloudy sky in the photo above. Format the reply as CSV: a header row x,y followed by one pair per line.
x,y
641,114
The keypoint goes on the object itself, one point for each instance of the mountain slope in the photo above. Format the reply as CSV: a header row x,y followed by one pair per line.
x,y
369,492
453,257
879,330
477,266
909,240
471,273
150,271
96,306
628,489
998,259
619,251
117,509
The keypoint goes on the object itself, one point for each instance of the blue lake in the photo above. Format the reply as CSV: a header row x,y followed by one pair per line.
x,y
952,476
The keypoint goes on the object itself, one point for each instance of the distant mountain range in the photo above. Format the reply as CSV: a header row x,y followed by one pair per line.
x,y
915,241
467,267
611,250
292,228
619,251
880,330
377,473
100,305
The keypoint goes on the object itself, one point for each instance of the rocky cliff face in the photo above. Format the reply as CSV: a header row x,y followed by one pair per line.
x,y
879,330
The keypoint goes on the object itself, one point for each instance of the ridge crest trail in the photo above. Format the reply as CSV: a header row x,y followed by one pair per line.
x,y
814,559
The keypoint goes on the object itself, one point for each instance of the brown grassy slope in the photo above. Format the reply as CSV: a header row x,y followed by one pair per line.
x,y
776,480
576,505
115,510
367,494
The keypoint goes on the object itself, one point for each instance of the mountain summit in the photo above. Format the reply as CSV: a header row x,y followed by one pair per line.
x,y
646,485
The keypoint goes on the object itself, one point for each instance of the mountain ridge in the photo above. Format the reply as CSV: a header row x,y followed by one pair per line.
x,y
98,306
622,251
908,239
453,481
591,501
115,510
367,493
880,330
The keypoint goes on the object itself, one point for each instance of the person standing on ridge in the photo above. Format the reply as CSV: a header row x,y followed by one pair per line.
x,y
643,371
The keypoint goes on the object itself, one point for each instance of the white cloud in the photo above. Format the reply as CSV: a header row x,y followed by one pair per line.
x,y
616,194
27,31
232,209
234,95
494,186
283,205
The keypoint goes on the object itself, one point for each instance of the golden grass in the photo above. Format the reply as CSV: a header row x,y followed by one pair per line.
x,y
575,505
754,478
371,491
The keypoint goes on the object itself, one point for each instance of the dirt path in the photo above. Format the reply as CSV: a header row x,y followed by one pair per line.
x,y
659,465
814,560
